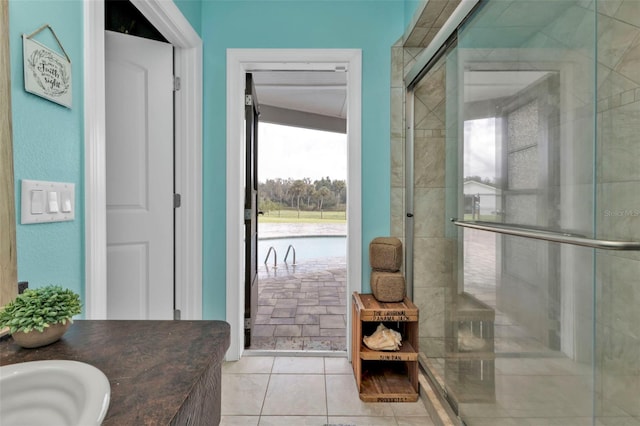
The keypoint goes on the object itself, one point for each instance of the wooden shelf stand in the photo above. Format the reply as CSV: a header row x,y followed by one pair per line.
x,y
385,376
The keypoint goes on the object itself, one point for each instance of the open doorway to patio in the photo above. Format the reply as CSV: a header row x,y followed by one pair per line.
x,y
239,63
302,204
301,240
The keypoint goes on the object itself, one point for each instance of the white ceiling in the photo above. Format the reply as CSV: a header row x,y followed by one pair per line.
x,y
485,85
318,92
325,92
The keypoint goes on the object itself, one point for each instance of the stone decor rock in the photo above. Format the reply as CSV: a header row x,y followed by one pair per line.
x,y
388,286
385,254
385,257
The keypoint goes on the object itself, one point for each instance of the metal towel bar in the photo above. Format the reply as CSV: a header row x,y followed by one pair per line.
x,y
557,237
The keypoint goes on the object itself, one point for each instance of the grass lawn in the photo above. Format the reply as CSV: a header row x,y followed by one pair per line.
x,y
293,216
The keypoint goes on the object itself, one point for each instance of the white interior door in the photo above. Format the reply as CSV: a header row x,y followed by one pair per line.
x,y
139,172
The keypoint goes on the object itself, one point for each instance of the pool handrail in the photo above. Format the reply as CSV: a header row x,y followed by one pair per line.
x,y
275,256
287,254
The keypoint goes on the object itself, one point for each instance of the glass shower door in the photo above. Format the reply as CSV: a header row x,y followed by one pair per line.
x,y
617,215
527,105
535,297
513,129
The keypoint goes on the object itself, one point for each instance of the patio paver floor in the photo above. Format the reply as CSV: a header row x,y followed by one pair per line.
x,y
302,307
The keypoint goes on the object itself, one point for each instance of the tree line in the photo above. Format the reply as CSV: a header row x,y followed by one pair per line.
x,y
302,194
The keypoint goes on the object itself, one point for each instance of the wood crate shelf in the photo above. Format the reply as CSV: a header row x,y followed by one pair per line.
x,y
386,383
405,353
385,376
372,310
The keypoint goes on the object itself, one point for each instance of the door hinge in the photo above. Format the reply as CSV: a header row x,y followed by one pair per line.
x,y
247,323
176,83
177,201
248,100
176,314
247,214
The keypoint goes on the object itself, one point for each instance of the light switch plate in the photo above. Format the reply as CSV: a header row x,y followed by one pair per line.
x,y
68,189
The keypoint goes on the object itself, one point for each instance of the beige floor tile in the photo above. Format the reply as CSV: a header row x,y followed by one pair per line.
x,y
293,421
295,395
479,409
409,409
619,421
507,421
298,365
343,399
362,421
239,420
414,421
243,394
337,366
249,365
561,421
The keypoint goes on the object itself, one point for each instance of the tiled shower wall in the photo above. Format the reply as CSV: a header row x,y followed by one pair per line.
x,y
434,255
618,207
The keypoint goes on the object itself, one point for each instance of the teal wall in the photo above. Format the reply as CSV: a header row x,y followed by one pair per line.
x,y
191,10
48,145
373,26
48,138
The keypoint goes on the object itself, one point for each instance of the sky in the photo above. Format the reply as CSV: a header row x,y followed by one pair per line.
x,y
480,148
291,152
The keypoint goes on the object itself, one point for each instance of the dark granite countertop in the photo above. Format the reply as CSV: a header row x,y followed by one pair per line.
x,y
152,366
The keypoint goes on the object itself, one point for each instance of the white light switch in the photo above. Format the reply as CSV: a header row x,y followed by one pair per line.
x,y
65,202
52,205
37,201
44,202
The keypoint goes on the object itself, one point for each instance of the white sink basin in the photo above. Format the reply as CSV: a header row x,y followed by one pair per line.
x,y
52,393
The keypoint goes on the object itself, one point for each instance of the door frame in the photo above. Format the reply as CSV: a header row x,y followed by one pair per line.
x,y
239,62
251,117
172,24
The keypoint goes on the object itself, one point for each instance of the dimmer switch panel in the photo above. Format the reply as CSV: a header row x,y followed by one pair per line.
x,y
44,202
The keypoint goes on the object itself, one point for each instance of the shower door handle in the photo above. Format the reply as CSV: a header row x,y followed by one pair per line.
x,y
553,236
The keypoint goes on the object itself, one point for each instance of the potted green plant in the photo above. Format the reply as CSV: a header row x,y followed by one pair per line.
x,y
40,316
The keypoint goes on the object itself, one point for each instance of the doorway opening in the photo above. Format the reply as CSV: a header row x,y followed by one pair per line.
x,y
241,62
302,231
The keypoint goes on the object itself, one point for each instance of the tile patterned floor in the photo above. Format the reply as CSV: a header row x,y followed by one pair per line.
x,y
302,307
305,391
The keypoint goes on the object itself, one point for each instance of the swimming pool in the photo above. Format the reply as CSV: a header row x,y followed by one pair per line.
x,y
307,247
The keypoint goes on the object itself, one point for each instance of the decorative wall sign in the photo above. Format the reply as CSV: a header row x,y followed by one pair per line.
x,y
46,73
